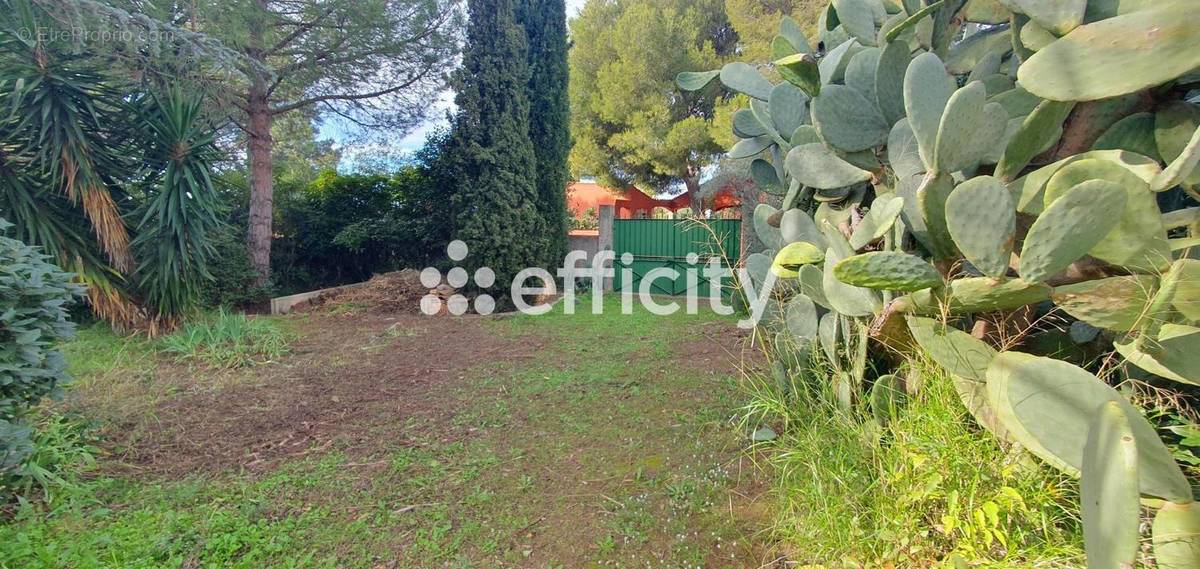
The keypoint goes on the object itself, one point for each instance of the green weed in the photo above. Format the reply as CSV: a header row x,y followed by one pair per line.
x,y
929,488
228,340
62,450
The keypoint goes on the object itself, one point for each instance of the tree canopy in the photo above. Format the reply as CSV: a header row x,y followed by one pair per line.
x,y
545,24
491,156
631,126
369,63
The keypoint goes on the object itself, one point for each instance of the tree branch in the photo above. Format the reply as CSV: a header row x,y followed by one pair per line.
x,y
346,96
300,30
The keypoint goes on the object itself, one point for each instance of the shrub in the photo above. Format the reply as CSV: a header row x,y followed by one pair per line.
x,y
344,228
34,295
228,340
233,283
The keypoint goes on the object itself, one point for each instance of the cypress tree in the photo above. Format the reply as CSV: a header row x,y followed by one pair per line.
x,y
545,23
495,201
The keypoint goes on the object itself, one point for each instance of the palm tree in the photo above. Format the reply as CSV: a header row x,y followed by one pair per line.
x,y
85,152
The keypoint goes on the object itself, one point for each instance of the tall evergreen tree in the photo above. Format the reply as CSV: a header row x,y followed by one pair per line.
x,y
545,23
493,160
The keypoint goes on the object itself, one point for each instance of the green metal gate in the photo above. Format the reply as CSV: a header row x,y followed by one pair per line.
x,y
655,243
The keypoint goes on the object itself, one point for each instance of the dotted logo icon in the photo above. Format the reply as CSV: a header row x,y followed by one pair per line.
x,y
457,277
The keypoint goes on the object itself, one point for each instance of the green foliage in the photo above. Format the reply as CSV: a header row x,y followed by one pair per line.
x,y
228,340
995,180
344,228
233,277
34,295
62,448
629,124
491,156
925,487
180,213
545,23
105,168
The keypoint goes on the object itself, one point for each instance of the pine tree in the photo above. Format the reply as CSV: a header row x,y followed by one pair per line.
x,y
495,199
545,23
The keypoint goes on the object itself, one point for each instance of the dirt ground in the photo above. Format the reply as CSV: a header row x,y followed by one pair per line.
x,y
556,441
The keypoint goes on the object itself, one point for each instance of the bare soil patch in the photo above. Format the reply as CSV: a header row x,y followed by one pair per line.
x,y
349,380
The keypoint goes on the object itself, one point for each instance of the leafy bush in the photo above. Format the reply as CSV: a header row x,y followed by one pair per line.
x,y
34,295
233,277
228,340
344,228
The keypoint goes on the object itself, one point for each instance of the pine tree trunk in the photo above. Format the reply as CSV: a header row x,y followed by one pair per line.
x,y
692,183
262,187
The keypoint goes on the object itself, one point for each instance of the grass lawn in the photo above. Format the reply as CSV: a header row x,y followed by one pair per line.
x,y
405,441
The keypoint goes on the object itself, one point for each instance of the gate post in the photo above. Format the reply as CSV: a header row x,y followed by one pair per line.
x,y
605,240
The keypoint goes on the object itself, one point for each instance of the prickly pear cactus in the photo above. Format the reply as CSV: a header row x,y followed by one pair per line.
x,y
980,162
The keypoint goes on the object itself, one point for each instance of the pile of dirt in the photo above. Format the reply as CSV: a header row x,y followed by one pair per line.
x,y
399,291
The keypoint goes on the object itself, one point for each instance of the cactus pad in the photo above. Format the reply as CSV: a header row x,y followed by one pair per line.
x,y
902,153
927,89
801,318
1182,169
1176,536
845,298
884,212
1042,128
695,80
1048,405
1137,240
977,294
801,70
860,74
1116,56
1174,353
744,78
790,31
982,220
931,197
1186,299
789,108
1114,303
817,166
746,125
848,121
858,19
887,398
887,270
1029,190
1108,490
968,126
889,80
797,226
769,235
811,284
789,259
1067,229
1134,133
827,333
748,147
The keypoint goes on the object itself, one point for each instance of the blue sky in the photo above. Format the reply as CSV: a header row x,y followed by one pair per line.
x,y
413,140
